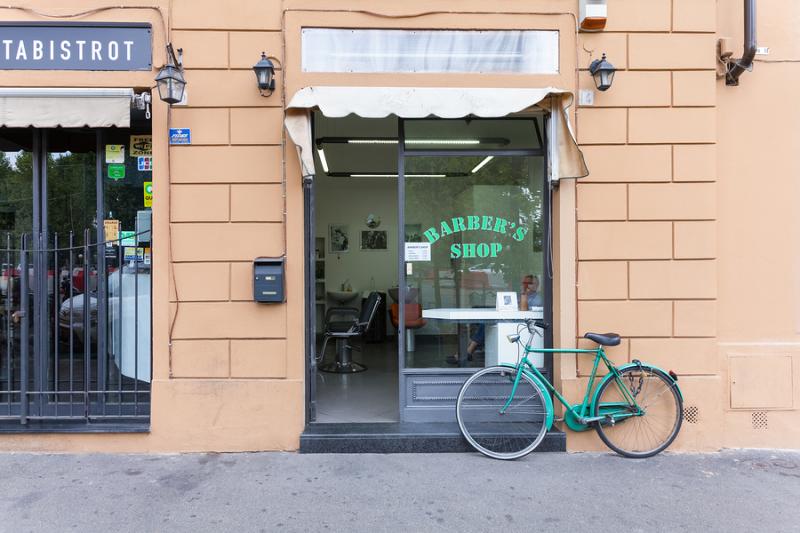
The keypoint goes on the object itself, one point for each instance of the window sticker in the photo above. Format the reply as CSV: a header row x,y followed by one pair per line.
x,y
148,194
141,145
127,238
474,223
116,171
115,153
111,230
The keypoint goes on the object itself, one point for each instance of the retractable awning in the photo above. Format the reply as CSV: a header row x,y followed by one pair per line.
x,y
52,107
442,102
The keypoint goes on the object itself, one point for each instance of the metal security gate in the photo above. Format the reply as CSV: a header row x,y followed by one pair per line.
x,y
75,307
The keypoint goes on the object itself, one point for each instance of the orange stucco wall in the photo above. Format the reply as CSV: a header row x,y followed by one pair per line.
x,y
681,239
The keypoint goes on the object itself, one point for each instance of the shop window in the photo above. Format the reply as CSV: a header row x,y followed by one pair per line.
x,y
76,248
430,51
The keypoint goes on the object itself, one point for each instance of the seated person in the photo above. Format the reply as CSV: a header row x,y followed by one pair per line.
x,y
530,296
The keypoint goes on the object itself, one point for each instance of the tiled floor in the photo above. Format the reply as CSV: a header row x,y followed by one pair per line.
x,y
372,396
369,396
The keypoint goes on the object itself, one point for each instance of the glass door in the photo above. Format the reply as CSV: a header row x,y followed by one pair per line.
x,y
474,260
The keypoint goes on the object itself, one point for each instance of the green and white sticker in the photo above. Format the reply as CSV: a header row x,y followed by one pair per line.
x,y
127,238
116,171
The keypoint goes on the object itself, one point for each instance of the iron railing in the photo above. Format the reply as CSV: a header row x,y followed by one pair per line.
x,y
75,330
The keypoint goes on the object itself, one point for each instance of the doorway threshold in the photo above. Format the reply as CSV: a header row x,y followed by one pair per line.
x,y
399,437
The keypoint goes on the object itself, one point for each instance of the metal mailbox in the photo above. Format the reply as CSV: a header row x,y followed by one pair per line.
x,y
268,280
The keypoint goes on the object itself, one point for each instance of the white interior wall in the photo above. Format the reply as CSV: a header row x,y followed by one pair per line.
x,y
349,201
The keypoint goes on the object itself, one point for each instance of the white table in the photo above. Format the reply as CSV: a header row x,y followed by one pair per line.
x,y
499,324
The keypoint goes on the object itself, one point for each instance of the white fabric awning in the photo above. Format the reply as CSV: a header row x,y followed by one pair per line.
x,y
65,107
442,102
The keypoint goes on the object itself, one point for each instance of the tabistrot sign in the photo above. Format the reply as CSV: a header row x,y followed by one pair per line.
x,y
75,46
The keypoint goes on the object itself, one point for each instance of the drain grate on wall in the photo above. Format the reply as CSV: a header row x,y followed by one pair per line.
x,y
760,420
691,415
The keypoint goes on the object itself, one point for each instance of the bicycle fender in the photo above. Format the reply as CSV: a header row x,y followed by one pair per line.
x,y
632,365
545,394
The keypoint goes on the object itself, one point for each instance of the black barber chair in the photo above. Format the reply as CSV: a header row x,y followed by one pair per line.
x,y
349,324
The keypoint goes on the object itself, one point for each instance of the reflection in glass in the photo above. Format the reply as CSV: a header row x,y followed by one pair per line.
x,y
485,226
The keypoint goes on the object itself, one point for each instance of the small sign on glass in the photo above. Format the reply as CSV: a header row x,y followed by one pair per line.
x,y
507,301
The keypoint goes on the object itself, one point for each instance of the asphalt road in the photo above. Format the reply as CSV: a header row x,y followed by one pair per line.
x,y
731,491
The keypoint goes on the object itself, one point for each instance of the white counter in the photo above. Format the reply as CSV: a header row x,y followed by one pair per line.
x,y
499,324
477,314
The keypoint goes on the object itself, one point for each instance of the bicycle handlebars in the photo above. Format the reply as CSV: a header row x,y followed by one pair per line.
x,y
536,323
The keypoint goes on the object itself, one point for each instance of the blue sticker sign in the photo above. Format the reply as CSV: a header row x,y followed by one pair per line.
x,y
75,46
144,163
180,136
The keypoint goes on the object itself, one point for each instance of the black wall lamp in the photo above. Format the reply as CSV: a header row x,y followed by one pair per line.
x,y
170,80
265,74
603,73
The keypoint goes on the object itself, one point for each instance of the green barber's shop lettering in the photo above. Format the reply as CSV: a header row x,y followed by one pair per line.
x,y
469,223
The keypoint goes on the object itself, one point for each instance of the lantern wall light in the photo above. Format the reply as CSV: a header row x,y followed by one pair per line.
x,y
170,81
265,74
603,73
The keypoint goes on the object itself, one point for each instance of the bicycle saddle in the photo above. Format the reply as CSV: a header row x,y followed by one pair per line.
x,y
604,339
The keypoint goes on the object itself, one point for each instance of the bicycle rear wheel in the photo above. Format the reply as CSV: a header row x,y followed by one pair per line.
x,y
509,434
642,435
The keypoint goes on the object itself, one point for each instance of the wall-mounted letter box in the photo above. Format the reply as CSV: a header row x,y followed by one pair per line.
x,y
268,277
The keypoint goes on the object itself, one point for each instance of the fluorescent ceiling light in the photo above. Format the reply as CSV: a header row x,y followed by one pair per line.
x,y
443,141
416,141
322,159
479,165
395,175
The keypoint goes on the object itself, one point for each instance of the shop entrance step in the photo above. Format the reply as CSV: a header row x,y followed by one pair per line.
x,y
399,438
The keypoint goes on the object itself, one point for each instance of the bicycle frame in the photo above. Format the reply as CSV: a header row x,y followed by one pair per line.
x,y
576,416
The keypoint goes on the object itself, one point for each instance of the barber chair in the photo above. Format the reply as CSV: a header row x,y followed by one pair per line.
x,y
344,324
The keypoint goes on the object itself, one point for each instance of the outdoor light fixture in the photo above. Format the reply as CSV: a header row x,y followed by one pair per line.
x,y
603,73
265,74
170,80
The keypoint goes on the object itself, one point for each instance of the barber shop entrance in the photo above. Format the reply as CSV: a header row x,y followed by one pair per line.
x,y
429,241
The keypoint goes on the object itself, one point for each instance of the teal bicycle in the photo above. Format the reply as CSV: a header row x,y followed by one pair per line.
x,y
505,411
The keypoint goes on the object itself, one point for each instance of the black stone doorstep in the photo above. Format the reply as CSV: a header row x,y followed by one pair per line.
x,y
399,438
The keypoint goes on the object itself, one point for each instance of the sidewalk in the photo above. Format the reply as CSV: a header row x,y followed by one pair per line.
x,y
744,490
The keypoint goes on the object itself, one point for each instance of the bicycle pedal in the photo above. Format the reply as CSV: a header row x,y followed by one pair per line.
x,y
558,419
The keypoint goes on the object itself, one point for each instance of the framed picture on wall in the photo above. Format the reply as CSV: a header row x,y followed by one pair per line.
x,y
374,240
413,232
339,238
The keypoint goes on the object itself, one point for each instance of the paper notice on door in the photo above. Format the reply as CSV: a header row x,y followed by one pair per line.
x,y
418,251
111,230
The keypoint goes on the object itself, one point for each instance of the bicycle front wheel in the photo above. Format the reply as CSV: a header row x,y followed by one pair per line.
x,y
644,433
501,433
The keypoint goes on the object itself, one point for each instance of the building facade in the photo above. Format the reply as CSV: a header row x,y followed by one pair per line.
x,y
680,238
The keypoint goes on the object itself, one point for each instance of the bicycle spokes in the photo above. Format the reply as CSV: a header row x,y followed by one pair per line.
x,y
499,420
645,426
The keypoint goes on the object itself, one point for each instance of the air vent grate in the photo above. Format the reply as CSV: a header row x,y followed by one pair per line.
x,y
760,420
691,415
